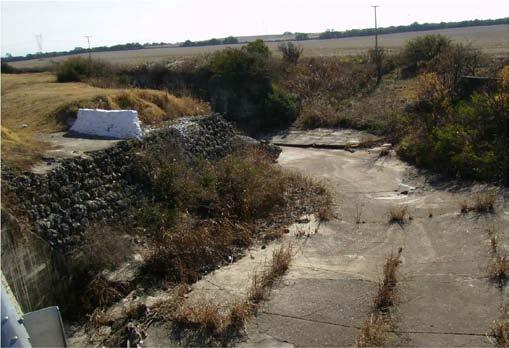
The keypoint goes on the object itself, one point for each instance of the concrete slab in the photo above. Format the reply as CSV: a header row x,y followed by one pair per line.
x,y
68,145
322,137
323,300
446,299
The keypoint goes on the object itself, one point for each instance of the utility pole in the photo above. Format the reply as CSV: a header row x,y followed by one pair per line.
x,y
378,57
89,52
376,28
89,56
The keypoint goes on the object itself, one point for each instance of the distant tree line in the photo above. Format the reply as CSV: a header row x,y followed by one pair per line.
x,y
328,34
78,50
226,41
332,34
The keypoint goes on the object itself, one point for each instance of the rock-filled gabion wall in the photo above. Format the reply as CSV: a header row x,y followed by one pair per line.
x,y
62,202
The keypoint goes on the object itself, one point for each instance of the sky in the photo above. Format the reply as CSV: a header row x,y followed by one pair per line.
x,y
64,24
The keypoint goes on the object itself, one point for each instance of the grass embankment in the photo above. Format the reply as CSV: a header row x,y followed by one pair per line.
x,y
36,103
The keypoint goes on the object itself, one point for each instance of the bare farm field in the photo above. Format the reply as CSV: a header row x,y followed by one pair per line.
x,y
491,39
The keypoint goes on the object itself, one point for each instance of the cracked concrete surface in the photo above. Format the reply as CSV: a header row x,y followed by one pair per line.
x,y
446,299
323,137
323,300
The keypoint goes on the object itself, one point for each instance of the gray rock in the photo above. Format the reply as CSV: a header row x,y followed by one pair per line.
x,y
79,211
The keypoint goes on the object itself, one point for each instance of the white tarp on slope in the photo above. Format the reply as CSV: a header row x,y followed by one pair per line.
x,y
120,124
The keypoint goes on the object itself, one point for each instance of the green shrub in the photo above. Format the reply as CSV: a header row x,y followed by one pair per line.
x,y
420,51
235,64
8,69
250,185
279,109
78,69
258,48
466,138
301,36
240,87
155,216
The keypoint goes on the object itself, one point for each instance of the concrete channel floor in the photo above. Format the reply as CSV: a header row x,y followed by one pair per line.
x,y
445,297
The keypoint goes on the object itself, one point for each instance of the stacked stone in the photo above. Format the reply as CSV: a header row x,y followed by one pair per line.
x,y
62,202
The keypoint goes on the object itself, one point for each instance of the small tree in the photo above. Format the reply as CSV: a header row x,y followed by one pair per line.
x,y
291,52
377,56
420,51
258,47
230,40
301,36
454,62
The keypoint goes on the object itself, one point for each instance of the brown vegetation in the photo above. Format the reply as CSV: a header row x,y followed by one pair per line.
x,y
397,214
500,328
386,295
373,332
483,202
101,293
224,322
498,270
358,212
216,210
183,253
263,280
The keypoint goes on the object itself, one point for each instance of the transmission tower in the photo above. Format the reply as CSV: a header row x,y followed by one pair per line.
x,y
38,39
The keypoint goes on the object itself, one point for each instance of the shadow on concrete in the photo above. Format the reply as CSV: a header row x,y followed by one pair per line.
x,y
76,135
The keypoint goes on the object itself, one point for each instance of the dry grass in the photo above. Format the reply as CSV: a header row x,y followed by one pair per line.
x,y
182,254
220,218
210,317
36,103
373,333
386,295
498,270
494,245
482,202
262,281
397,214
500,328
358,212
318,193
223,322
102,293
